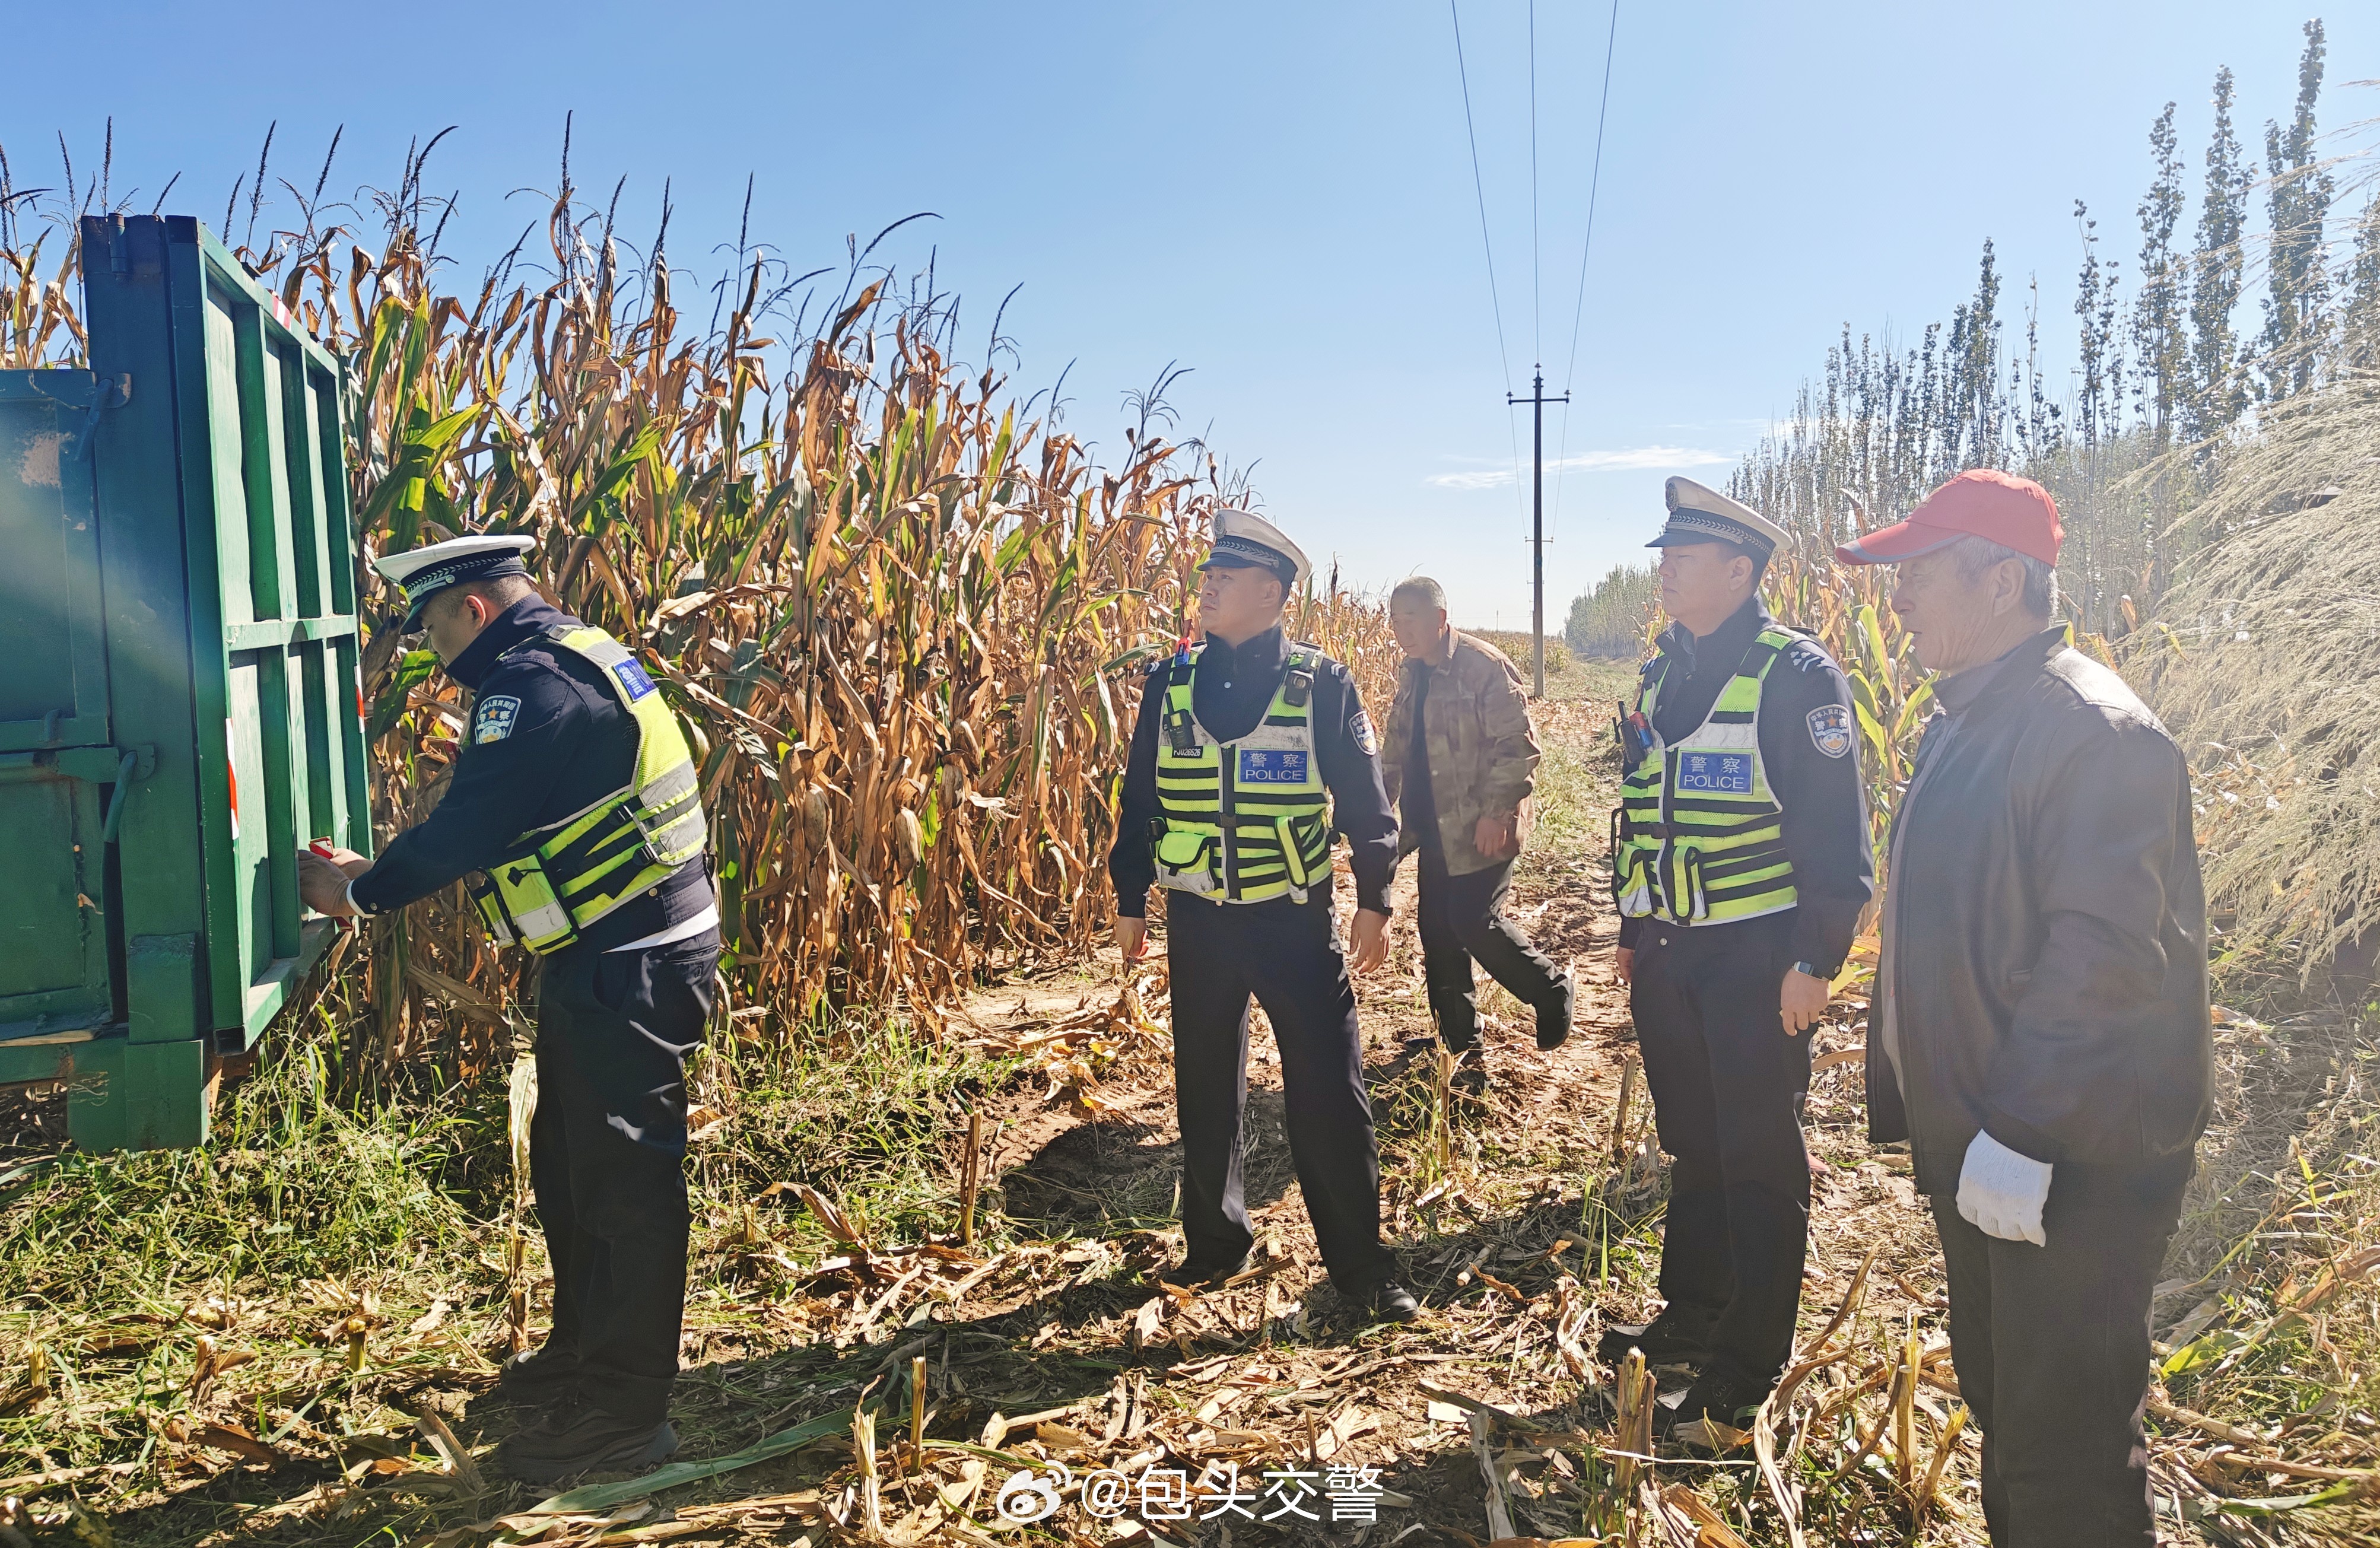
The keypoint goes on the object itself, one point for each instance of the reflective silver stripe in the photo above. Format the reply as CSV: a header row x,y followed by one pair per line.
x,y
545,922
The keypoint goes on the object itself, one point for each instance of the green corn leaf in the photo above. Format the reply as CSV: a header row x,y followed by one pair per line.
x,y
608,1496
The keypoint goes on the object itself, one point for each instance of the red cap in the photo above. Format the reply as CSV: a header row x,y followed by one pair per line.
x,y
1981,503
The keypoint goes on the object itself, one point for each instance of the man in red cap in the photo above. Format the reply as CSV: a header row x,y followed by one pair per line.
x,y
2040,1034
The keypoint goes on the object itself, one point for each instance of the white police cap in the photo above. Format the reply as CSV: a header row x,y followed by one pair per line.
x,y
1699,513
1245,541
423,573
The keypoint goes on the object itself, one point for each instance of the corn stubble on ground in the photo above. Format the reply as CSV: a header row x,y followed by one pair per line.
x,y
259,1387
248,1407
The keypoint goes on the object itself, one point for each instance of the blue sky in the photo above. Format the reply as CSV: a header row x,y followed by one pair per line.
x,y
1277,196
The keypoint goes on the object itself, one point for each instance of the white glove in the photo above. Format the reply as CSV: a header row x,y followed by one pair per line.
x,y
2001,1192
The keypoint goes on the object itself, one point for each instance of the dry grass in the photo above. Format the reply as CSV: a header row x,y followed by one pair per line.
x,y
2264,666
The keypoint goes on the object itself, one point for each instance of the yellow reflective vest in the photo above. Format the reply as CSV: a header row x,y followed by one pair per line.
x,y
566,875
1698,838
1247,820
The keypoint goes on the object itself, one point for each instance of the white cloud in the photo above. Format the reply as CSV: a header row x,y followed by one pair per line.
x,y
1633,459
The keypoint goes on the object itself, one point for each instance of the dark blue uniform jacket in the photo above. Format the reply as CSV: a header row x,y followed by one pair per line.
x,y
546,740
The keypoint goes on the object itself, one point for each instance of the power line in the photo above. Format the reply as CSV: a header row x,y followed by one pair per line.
x,y
1479,187
1578,313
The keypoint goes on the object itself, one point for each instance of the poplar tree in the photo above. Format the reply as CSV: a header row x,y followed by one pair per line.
x,y
2160,352
2359,319
1974,419
2297,296
2218,393
2098,409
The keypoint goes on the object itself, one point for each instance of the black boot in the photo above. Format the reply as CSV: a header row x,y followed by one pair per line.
x,y
575,1436
536,1377
1386,1300
1721,1395
1554,1016
1680,1335
1195,1274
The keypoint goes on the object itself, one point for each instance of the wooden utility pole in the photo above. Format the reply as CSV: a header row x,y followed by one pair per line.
x,y
1538,401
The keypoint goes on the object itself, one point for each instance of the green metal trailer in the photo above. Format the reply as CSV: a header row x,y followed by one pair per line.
x,y
180,704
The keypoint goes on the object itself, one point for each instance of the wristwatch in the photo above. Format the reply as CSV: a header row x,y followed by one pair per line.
x,y
1823,975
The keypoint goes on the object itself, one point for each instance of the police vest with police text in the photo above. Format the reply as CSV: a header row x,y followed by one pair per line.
x,y
1698,836
566,875
1247,820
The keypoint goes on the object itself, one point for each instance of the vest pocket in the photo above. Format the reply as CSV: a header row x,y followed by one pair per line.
x,y
1187,860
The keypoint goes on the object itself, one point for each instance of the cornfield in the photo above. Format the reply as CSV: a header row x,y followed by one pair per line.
x,y
899,618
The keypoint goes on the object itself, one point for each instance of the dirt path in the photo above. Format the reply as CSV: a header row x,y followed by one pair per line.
x,y
1524,1225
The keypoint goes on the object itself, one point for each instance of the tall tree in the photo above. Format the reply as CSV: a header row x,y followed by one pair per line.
x,y
2361,317
2160,350
2218,393
2297,300
2098,411
1976,419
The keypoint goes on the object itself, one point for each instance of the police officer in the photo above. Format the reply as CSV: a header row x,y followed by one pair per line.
x,y
1742,866
573,795
1248,748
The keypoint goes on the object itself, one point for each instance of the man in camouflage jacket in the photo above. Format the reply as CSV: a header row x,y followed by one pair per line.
x,y
1460,760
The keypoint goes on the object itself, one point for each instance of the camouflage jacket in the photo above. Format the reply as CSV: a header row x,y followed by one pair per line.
x,y
1483,755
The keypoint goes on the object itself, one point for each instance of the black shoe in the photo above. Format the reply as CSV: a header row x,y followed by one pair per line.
x,y
1554,1016
1470,1073
536,1377
1385,1301
1721,1395
1674,1337
577,1437
1195,1274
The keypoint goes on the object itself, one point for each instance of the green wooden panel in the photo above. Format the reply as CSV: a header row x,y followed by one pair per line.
x,y
151,546
54,690
54,968
250,947
223,591
284,590
301,424
138,1095
264,466
348,686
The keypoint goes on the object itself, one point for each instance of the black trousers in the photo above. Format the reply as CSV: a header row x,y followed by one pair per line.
x,y
1286,956
607,1151
1727,1086
2052,1348
1462,920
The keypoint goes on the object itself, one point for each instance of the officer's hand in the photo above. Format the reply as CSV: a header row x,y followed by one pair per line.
x,y
322,883
1131,937
1370,938
1623,964
1801,1003
1494,837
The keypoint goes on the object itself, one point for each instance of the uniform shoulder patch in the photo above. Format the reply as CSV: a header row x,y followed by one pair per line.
x,y
632,678
1831,728
1367,739
493,720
